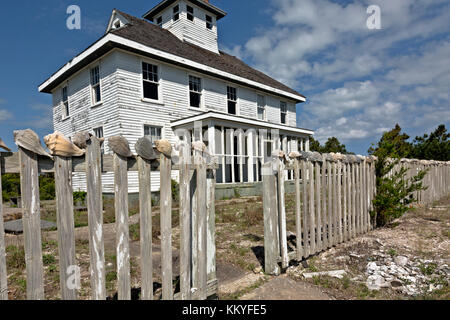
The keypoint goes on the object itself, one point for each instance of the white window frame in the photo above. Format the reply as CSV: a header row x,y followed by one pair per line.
x,y
95,103
160,99
238,111
202,93
285,113
94,131
154,125
161,23
176,13
188,13
257,107
208,23
65,106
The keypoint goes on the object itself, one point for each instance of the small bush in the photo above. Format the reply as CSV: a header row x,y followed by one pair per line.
x,y
79,196
48,259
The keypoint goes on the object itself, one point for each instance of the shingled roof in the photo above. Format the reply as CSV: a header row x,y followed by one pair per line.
x,y
150,35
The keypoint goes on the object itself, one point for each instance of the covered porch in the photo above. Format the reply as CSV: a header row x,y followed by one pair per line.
x,y
241,144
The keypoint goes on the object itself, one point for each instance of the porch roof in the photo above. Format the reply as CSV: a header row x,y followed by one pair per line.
x,y
237,120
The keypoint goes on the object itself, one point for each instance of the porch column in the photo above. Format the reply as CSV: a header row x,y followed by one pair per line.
x,y
211,138
251,153
307,145
241,150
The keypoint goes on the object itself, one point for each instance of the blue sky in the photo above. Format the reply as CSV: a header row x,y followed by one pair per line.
x,y
359,82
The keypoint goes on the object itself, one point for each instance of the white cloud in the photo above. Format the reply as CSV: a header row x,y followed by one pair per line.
x,y
5,115
359,82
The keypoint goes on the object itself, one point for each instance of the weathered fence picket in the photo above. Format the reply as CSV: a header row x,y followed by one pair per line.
x,y
145,208
197,226
66,226
95,218
333,200
122,227
166,227
29,189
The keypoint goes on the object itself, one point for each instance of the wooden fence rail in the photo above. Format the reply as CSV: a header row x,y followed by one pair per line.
x,y
197,172
333,201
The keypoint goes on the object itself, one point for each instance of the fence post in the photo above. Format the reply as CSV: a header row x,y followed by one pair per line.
x,y
185,222
3,272
324,202
95,217
298,209
211,207
319,208
66,224
312,220
145,207
307,247
166,226
282,213
339,200
202,220
344,200
330,205
29,185
270,220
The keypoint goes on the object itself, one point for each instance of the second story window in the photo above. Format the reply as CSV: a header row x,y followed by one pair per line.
x,y
150,81
190,13
261,107
98,133
209,22
232,100
65,101
176,13
195,91
159,22
283,109
95,85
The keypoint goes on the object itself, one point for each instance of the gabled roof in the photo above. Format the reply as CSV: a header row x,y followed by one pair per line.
x,y
143,37
150,15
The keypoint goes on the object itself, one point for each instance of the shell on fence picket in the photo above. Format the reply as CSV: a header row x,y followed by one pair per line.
x,y
29,140
200,146
316,156
80,139
278,153
164,147
144,148
120,146
3,146
59,145
294,155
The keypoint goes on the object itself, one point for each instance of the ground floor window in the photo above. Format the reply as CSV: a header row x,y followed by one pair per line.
x,y
155,132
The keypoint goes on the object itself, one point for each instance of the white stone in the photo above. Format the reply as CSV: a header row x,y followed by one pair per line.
x,y
401,260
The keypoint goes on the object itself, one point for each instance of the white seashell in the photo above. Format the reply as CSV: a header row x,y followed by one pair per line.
x,y
59,145
164,147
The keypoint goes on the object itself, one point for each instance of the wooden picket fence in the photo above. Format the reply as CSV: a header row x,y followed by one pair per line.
x,y
198,279
333,201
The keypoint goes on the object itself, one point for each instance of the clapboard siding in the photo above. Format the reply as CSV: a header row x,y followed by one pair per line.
x,y
125,112
84,117
192,31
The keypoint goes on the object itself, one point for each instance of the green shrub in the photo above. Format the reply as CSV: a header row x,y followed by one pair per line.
x,y
79,196
175,190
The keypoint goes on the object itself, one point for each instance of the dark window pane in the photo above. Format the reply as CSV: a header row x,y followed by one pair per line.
x,y
283,118
195,100
150,90
176,17
219,178
228,178
98,96
231,107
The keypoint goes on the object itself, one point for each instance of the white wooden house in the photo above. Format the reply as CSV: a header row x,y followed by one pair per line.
x,y
164,72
